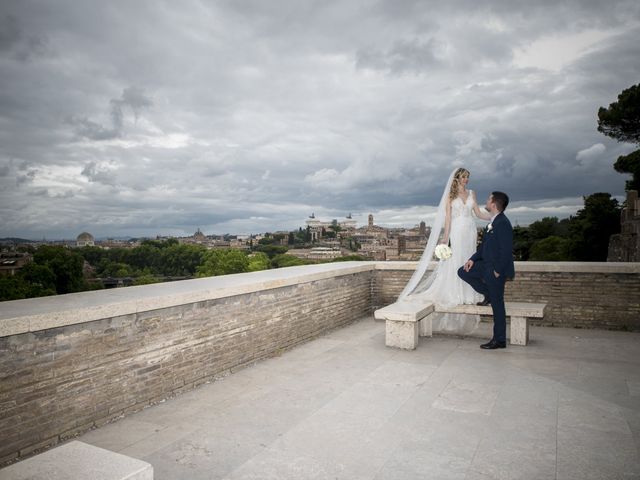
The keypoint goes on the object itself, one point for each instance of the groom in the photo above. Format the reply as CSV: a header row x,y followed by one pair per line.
x,y
492,265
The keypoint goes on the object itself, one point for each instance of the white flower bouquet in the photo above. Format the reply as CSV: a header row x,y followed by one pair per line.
x,y
443,252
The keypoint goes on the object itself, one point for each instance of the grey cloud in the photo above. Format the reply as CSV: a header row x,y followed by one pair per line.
x,y
135,98
26,178
132,97
18,44
388,95
96,174
404,56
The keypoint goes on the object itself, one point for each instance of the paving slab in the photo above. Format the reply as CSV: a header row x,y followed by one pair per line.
x,y
344,406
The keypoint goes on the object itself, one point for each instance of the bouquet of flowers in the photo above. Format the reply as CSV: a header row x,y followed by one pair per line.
x,y
443,252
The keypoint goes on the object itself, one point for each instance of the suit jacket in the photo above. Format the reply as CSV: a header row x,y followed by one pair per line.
x,y
496,250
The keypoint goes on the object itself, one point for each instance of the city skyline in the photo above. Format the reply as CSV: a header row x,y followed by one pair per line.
x,y
137,120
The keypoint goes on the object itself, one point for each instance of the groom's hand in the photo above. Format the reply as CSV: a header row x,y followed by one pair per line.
x,y
467,266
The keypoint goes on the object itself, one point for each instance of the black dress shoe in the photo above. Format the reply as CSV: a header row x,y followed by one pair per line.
x,y
492,345
484,302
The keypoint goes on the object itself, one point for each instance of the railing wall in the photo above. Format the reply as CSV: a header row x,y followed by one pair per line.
x,y
73,362
578,294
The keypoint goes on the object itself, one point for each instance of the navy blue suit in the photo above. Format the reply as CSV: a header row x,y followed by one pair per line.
x,y
494,254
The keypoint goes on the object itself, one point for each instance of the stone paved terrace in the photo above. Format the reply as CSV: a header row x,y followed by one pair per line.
x,y
344,406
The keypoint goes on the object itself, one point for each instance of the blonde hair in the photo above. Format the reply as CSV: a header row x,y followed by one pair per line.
x,y
461,172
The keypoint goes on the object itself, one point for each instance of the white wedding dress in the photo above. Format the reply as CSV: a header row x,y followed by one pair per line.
x,y
446,289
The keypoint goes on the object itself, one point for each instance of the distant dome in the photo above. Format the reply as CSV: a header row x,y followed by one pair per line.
x,y
85,237
85,240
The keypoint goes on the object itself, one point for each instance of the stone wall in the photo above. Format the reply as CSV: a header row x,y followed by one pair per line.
x,y
625,246
58,382
580,295
72,362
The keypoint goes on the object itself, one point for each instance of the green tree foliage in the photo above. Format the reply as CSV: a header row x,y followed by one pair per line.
x,y
284,260
552,248
521,243
592,226
181,260
630,164
621,120
266,240
156,257
13,288
54,270
41,279
271,250
117,269
223,262
583,237
258,261
525,237
146,279
66,266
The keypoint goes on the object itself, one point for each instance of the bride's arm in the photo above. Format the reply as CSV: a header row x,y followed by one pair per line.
x,y
447,222
479,213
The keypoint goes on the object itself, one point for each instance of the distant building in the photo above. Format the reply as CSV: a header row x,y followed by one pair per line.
x,y
316,253
12,262
85,240
625,246
199,237
317,228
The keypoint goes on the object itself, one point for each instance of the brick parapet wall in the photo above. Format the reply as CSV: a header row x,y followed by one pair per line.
x,y
578,295
72,362
59,382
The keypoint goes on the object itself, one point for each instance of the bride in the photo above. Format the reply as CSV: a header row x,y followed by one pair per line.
x,y
455,223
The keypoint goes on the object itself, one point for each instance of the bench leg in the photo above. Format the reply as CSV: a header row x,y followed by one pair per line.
x,y
426,326
401,334
519,331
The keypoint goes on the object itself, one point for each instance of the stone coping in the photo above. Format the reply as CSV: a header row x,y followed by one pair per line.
x,y
555,267
35,314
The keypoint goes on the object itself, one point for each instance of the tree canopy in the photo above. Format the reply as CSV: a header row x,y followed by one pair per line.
x,y
621,120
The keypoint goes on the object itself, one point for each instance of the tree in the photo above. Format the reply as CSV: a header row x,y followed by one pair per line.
x,y
622,122
146,279
258,261
552,249
222,262
283,260
271,250
543,228
181,260
630,164
65,264
12,288
41,280
116,269
521,243
592,226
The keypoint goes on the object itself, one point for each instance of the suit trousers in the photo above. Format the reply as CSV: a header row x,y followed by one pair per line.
x,y
483,280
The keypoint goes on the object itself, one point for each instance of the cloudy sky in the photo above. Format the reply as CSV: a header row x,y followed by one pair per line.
x,y
244,116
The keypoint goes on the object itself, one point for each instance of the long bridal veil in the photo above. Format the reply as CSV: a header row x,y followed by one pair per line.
x,y
422,279
419,286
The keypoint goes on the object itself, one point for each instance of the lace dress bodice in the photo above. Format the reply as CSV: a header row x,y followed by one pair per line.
x,y
460,208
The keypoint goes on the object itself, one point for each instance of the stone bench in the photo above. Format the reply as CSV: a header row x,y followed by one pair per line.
x,y
402,322
409,319
77,460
